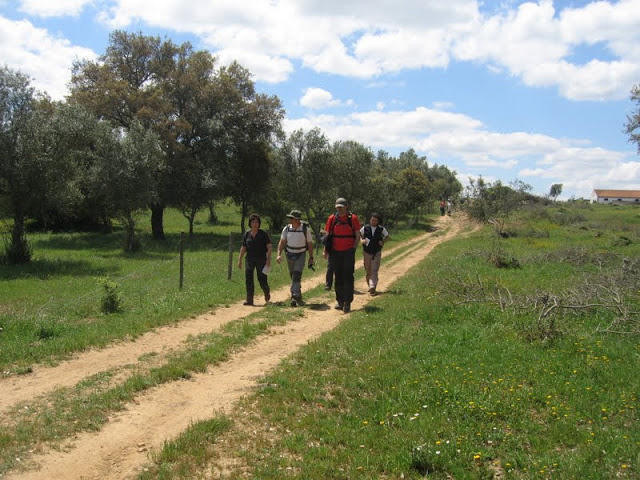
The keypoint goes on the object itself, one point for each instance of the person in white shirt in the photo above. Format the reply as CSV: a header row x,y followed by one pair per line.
x,y
373,235
296,239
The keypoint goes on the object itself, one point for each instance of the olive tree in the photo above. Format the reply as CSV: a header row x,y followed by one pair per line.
x,y
39,143
632,126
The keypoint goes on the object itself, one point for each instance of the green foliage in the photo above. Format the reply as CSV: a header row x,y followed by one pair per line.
x,y
494,203
111,301
310,174
632,126
499,257
555,190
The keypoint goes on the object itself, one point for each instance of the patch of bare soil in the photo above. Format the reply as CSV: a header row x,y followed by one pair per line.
x,y
121,447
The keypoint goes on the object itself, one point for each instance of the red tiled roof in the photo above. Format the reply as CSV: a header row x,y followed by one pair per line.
x,y
618,193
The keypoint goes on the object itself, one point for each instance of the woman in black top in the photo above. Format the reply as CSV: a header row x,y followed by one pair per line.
x,y
256,243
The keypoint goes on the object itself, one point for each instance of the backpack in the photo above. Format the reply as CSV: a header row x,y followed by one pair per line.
x,y
305,227
331,235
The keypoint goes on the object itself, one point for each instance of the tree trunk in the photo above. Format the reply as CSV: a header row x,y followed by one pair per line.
x,y
243,214
157,227
213,218
192,216
19,250
130,244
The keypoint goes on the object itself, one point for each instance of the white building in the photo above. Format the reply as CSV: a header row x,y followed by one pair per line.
x,y
616,196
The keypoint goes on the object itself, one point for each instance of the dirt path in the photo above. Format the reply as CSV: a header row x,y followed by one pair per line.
x,y
43,379
120,448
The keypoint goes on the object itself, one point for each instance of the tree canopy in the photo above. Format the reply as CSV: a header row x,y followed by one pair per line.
x,y
633,120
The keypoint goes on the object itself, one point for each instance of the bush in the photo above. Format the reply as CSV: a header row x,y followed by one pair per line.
x,y
564,217
111,300
498,257
622,241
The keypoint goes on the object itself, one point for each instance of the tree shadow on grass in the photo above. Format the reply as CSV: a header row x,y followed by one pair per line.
x,y
78,241
110,245
46,268
198,242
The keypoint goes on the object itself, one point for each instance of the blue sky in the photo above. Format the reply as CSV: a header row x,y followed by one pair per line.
x,y
535,91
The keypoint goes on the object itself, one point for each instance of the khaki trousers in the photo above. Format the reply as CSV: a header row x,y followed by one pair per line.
x,y
371,266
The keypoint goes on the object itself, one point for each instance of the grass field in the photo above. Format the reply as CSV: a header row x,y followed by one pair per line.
x,y
52,306
437,378
423,384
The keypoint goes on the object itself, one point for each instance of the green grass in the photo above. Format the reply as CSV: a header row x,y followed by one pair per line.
x,y
51,419
419,384
51,307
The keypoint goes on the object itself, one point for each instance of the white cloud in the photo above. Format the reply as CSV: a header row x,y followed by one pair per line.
x,y
598,167
536,44
263,67
38,54
533,41
53,8
318,98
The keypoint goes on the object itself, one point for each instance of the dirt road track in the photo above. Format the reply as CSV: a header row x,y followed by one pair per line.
x,y
43,379
121,447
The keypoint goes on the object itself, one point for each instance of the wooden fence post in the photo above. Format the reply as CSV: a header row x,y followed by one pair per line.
x,y
230,256
181,259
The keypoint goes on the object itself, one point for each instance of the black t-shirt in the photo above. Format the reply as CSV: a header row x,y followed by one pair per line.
x,y
256,246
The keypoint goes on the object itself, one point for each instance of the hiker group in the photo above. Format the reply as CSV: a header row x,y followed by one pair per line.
x,y
340,238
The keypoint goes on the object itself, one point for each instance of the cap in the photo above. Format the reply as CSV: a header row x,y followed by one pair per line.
x,y
297,214
341,202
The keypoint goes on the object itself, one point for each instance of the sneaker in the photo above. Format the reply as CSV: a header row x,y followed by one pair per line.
x,y
338,306
294,302
267,297
248,302
346,308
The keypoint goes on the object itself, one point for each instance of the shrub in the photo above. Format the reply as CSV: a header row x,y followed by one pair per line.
x,y
498,257
111,300
564,217
622,241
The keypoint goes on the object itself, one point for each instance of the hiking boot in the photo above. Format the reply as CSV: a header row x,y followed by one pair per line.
x,y
372,291
248,302
327,287
267,297
338,306
294,302
346,308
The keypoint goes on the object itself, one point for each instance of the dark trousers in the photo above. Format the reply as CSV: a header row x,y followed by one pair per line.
x,y
329,277
344,264
250,265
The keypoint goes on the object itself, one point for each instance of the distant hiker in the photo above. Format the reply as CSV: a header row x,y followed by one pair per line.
x,y
256,243
373,237
296,239
343,229
328,282
442,207
448,207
